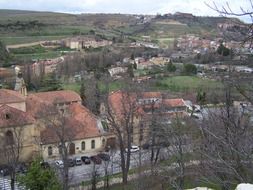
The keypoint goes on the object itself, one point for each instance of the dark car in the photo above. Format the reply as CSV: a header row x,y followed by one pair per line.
x,y
85,159
104,156
146,146
5,170
71,162
96,159
44,165
21,168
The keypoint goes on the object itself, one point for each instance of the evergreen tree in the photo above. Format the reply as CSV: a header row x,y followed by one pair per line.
x,y
171,67
39,178
50,83
82,93
97,99
222,50
201,97
130,70
190,69
4,54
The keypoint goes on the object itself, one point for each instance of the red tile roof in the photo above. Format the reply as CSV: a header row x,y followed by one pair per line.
x,y
121,102
151,95
63,96
174,102
80,125
13,117
10,96
36,106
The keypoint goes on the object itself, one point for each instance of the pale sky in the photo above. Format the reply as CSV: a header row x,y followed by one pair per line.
x,y
197,7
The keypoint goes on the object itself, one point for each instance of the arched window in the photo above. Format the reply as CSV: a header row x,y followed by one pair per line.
x,y
92,144
72,148
50,151
103,142
9,138
83,145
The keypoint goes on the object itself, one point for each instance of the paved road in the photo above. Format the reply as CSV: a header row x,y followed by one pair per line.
x,y
5,184
78,174
84,172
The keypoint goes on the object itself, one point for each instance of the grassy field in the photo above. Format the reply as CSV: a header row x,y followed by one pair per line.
x,y
72,86
166,42
113,86
28,26
27,39
35,56
173,84
186,84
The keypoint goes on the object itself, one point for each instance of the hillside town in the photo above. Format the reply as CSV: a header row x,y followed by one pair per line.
x,y
125,101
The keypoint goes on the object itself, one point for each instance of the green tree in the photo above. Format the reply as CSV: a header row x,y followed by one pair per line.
x,y
171,67
222,50
82,93
50,83
97,97
39,178
130,70
190,69
201,97
4,54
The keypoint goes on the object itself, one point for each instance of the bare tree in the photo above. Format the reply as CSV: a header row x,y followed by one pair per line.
x,y
121,114
106,174
178,143
58,130
226,145
226,10
12,146
94,177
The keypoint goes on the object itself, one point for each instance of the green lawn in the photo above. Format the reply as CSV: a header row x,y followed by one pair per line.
x,y
12,40
186,84
113,86
35,56
72,86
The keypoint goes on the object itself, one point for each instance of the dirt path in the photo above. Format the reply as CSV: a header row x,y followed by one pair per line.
x,y
24,45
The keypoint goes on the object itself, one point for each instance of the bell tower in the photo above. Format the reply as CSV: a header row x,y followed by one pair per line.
x,y
20,83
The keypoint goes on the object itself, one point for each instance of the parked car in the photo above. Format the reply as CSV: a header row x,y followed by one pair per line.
x,y
104,156
71,162
59,163
145,146
78,161
4,170
85,159
44,165
96,159
21,168
133,148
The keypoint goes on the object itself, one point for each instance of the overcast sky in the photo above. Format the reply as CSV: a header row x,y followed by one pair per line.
x,y
197,7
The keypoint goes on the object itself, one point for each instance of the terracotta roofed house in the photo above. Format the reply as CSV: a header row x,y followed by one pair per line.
x,y
13,99
85,133
17,127
64,97
83,128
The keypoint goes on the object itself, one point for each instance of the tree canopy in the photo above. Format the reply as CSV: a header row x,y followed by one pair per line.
x,y
4,54
222,50
190,69
39,178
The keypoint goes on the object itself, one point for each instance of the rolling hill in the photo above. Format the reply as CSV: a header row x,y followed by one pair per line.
x,y
29,26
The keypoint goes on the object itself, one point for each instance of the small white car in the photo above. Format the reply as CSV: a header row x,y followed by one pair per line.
x,y
59,163
78,161
133,149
